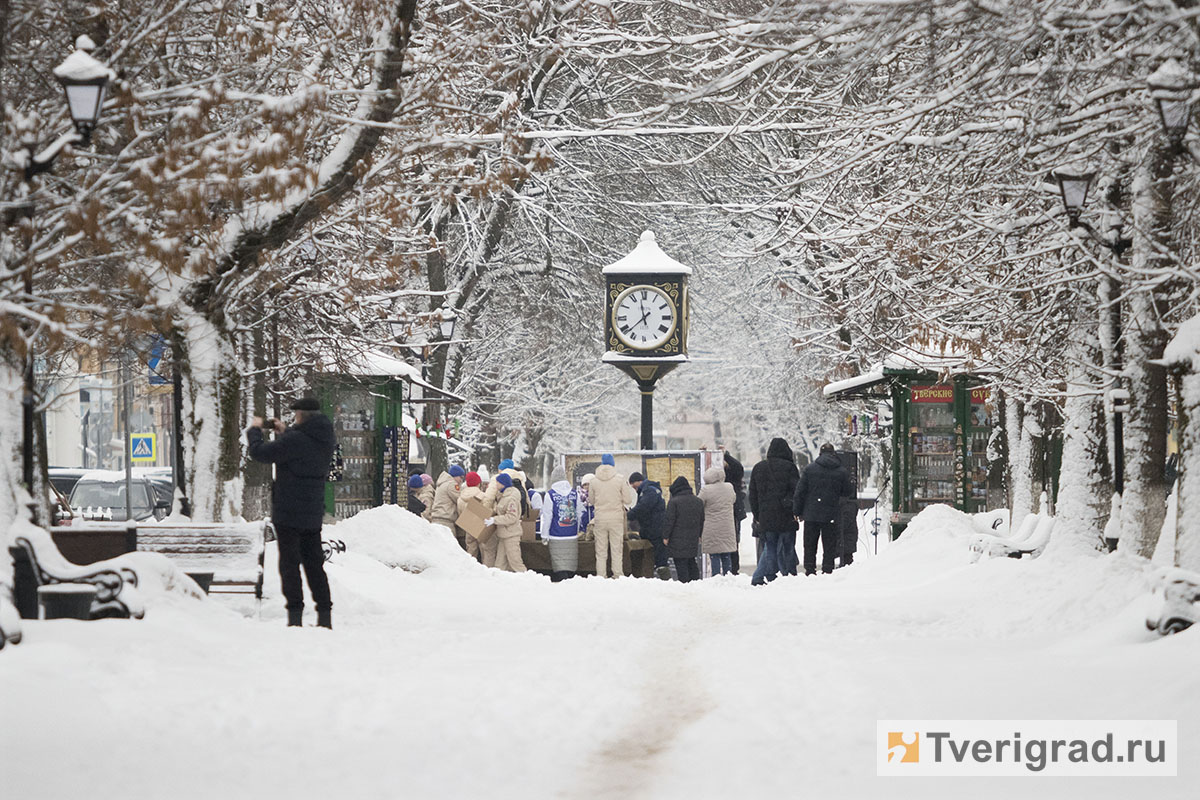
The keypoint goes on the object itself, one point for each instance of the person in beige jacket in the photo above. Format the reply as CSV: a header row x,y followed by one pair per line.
x,y
610,495
507,520
425,495
445,497
486,551
718,539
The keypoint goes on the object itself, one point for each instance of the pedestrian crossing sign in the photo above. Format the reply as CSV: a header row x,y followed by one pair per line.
x,y
143,446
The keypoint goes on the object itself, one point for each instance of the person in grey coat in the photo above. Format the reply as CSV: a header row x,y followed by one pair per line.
x,y
683,528
718,539
818,501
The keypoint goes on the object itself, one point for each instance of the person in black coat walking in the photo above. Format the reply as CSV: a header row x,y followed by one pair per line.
x,y
735,475
301,455
683,527
818,502
772,485
649,513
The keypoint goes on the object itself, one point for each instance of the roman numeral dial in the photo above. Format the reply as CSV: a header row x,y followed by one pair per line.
x,y
643,317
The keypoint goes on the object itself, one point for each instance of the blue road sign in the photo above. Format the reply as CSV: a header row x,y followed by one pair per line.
x,y
143,446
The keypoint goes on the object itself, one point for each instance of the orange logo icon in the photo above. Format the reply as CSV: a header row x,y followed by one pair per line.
x,y
904,747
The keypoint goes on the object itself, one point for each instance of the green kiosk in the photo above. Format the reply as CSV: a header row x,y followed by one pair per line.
x,y
941,431
365,400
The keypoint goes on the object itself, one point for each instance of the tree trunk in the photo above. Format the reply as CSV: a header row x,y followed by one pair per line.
x,y
1143,504
11,383
1020,460
1084,497
1187,524
212,415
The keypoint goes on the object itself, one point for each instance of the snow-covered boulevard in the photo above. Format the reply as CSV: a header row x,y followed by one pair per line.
x,y
444,679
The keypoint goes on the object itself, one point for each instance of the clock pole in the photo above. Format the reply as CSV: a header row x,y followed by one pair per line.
x,y
646,320
647,390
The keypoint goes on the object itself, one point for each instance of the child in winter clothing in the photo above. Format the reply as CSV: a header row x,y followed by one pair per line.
x,y
415,505
425,495
508,525
445,497
474,549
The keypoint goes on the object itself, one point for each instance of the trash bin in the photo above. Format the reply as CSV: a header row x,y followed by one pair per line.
x,y
66,601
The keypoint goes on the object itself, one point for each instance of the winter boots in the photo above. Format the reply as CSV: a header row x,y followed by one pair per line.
x,y
324,618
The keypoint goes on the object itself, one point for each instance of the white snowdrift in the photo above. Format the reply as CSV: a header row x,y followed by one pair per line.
x,y
398,538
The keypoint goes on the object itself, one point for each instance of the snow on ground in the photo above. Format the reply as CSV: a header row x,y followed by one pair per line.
x,y
444,679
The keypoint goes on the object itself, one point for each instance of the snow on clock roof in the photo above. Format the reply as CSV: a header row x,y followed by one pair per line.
x,y
647,257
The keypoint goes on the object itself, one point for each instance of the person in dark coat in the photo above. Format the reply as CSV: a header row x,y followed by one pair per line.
x,y
735,475
772,486
415,484
818,502
649,512
301,454
682,529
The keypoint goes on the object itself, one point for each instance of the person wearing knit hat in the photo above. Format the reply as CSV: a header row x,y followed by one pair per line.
x,y
506,464
585,500
650,513
445,500
414,499
610,494
563,519
425,495
507,519
480,551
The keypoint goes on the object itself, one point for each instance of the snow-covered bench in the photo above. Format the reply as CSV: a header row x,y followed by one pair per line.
x,y
232,552
1030,540
1176,605
10,622
37,562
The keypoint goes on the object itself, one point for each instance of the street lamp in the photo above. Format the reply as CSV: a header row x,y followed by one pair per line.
x,y
1171,88
84,80
446,320
1074,185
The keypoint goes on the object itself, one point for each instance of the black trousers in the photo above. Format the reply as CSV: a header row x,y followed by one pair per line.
x,y
687,569
827,534
299,547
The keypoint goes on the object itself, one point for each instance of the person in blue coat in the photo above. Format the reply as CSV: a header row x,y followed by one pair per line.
x,y
650,512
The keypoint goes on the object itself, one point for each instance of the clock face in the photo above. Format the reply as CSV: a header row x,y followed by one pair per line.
x,y
643,317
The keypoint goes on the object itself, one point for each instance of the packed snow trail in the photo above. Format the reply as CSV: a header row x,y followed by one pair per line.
x,y
442,679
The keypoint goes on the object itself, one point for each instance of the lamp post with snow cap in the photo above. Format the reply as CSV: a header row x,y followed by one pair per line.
x,y
1171,87
84,80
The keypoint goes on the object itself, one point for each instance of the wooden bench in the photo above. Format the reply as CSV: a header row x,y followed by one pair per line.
x,y
88,543
10,623
37,562
232,552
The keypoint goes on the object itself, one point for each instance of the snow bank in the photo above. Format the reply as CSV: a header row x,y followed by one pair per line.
x,y
398,538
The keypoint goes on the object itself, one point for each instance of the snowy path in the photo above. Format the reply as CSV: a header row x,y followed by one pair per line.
x,y
489,685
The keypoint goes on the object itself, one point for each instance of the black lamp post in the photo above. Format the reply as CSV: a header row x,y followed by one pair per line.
x,y
84,80
1074,185
1171,87
446,320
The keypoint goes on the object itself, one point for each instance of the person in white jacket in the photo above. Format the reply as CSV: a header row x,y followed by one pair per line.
x,y
563,518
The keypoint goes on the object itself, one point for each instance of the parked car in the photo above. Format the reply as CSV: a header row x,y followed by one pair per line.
x,y
64,478
100,495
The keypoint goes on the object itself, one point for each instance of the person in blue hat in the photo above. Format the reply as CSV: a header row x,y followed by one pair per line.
x,y
414,501
610,495
507,519
445,498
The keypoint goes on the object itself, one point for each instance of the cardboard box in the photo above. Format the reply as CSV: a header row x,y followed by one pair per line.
x,y
471,521
528,530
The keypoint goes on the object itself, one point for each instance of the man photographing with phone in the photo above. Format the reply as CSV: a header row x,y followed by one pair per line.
x,y
301,454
